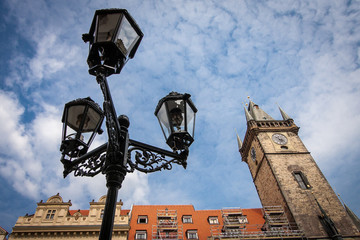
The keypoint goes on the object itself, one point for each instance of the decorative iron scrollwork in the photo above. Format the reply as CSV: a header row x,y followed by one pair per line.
x,y
148,161
91,166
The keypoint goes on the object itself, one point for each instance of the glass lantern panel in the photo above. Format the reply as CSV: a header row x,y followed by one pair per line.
x,y
106,26
74,116
190,117
126,37
70,133
93,120
176,115
164,122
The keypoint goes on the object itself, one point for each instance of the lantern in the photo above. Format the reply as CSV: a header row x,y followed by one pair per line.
x,y
176,115
82,119
114,37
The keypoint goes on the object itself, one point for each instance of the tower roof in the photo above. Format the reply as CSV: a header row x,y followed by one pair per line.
x,y
257,113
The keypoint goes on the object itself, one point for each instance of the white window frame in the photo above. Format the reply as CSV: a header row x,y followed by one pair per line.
x,y
192,234
187,219
213,220
243,219
142,217
141,234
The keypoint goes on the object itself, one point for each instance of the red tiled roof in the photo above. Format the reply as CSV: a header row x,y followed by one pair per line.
x,y
124,212
83,212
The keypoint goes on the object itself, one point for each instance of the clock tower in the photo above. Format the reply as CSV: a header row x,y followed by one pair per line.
x,y
286,175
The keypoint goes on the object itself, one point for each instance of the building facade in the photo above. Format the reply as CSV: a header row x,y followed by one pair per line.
x,y
286,175
54,220
184,222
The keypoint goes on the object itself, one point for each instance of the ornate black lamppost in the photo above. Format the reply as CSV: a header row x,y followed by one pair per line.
x,y
114,38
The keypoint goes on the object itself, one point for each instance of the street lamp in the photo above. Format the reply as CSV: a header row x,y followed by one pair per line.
x,y
114,38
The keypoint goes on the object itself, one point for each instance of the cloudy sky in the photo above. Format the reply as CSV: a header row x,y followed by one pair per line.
x,y
303,55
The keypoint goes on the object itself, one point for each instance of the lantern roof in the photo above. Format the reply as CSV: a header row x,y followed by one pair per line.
x,y
82,101
175,96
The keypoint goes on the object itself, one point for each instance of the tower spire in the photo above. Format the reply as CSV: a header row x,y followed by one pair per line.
x,y
283,114
238,140
248,115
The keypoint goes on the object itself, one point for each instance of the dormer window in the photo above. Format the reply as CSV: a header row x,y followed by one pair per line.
x,y
50,214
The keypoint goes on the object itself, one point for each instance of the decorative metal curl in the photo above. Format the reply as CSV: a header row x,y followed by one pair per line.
x,y
91,166
148,161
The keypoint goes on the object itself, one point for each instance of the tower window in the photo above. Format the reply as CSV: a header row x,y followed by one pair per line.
x,y
301,179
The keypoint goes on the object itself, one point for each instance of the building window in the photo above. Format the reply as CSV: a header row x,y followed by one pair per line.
x,y
102,213
301,179
213,220
243,219
50,214
192,234
187,219
140,235
142,219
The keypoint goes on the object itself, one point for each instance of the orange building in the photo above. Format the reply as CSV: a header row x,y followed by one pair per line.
x,y
184,222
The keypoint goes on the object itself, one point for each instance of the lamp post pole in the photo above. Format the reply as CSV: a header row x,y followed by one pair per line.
x,y
83,118
116,156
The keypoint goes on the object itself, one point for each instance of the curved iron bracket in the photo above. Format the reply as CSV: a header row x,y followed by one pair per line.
x,y
142,157
146,158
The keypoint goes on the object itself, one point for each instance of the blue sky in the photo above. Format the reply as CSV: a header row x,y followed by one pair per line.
x,y
303,55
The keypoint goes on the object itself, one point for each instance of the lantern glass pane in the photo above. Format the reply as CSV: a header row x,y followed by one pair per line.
x,y
77,113
74,116
190,117
93,120
127,37
164,122
70,133
106,26
176,115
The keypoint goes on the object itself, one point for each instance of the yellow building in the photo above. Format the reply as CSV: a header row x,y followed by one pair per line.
x,y
53,219
3,233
